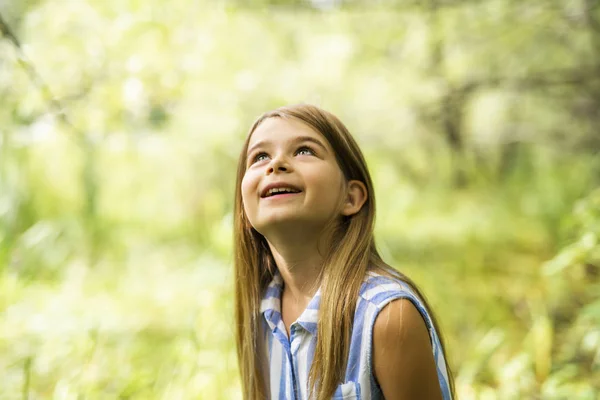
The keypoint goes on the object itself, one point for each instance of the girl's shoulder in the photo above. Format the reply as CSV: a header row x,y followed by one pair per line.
x,y
379,289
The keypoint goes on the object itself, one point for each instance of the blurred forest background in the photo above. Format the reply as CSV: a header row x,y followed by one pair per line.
x,y
121,122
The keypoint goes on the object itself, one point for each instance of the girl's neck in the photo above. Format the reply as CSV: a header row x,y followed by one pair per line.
x,y
299,264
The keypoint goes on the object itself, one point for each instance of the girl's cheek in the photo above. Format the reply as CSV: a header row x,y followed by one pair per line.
x,y
247,184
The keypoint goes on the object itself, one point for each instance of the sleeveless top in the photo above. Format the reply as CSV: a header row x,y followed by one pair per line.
x,y
289,359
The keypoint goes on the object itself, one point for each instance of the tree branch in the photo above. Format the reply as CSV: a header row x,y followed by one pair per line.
x,y
6,31
56,105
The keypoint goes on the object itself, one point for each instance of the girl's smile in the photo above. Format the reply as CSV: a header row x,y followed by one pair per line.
x,y
278,196
275,189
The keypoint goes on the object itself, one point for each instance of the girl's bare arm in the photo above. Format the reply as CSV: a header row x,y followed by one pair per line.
x,y
402,357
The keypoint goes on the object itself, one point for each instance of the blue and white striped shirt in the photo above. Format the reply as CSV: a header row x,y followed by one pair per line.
x,y
289,359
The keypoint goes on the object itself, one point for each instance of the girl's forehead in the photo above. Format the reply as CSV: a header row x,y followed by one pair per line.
x,y
277,129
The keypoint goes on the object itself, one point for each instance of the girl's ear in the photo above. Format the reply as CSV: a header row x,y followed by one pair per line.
x,y
355,197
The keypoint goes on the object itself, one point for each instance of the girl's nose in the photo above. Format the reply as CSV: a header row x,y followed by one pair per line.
x,y
278,164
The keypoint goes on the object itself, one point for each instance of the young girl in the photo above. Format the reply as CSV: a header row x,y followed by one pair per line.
x,y
319,314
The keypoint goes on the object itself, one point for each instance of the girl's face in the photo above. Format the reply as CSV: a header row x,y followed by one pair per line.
x,y
287,154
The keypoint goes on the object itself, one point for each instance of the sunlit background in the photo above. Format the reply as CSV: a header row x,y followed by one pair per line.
x,y
120,127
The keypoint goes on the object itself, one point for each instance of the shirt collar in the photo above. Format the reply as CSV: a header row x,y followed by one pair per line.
x,y
270,306
271,300
310,316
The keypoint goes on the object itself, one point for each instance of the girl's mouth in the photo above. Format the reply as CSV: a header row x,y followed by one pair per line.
x,y
279,189
282,195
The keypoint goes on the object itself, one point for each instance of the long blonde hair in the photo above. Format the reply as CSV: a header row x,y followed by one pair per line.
x,y
354,246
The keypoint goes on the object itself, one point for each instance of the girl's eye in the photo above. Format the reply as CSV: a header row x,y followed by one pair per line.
x,y
259,157
305,150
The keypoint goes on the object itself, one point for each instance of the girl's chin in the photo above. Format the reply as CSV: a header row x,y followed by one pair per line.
x,y
286,225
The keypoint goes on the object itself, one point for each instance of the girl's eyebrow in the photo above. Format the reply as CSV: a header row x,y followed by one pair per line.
x,y
296,140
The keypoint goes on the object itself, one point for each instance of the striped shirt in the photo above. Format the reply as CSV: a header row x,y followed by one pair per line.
x,y
289,359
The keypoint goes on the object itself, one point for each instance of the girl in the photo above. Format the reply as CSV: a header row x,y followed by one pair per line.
x,y
318,313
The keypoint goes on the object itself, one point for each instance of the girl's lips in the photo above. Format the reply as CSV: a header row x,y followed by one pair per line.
x,y
280,196
278,185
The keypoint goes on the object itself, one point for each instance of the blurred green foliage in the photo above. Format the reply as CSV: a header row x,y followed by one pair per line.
x,y
120,126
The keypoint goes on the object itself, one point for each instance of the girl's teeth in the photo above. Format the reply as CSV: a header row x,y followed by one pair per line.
x,y
277,191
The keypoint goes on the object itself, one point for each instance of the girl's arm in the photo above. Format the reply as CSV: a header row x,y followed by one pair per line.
x,y
402,355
